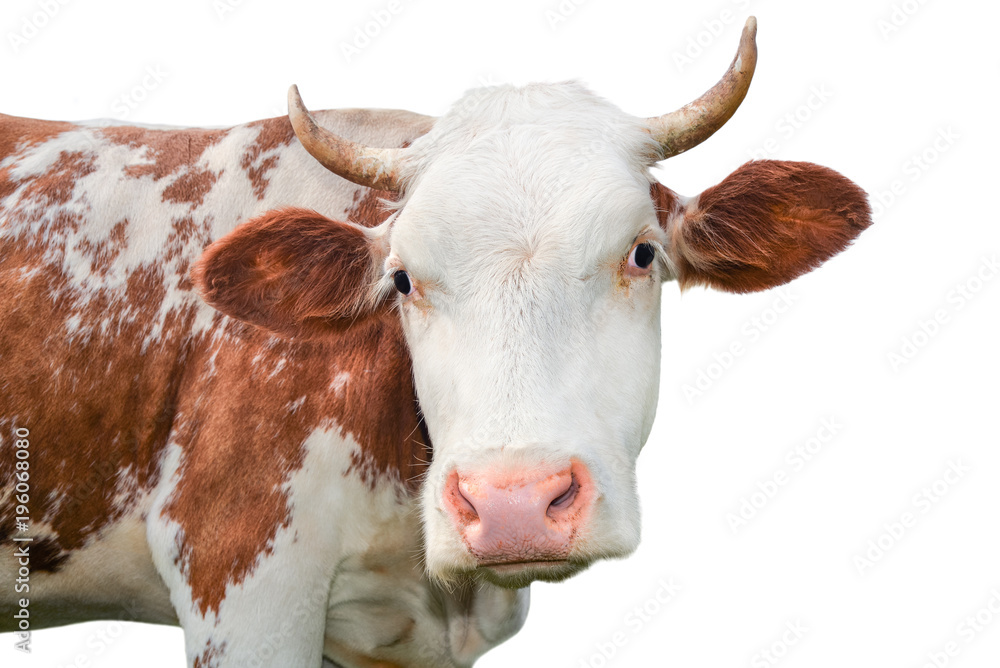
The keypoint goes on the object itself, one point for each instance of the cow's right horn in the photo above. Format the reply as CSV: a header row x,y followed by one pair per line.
x,y
373,167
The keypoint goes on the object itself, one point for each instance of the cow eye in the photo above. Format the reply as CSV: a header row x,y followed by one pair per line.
x,y
642,256
402,282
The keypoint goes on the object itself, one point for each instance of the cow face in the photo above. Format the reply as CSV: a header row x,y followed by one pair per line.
x,y
525,260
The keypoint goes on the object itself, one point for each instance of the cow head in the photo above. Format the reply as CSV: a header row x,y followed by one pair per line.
x,y
525,259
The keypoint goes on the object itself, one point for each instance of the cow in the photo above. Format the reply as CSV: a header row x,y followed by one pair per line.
x,y
335,388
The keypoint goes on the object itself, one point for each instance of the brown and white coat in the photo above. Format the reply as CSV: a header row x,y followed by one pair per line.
x,y
199,330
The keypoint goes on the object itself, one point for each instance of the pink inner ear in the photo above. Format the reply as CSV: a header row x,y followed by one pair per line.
x,y
290,271
764,225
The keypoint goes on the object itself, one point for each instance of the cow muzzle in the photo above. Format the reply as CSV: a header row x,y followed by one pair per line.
x,y
521,525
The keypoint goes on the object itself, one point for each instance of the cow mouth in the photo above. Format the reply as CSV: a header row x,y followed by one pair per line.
x,y
517,574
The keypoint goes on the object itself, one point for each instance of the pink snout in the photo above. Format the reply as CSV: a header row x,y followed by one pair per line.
x,y
520,516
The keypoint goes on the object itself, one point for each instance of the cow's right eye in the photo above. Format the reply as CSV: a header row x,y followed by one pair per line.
x,y
402,282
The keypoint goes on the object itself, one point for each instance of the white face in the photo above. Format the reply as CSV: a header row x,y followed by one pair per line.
x,y
534,262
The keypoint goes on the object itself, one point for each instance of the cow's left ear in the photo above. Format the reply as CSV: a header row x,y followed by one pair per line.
x,y
765,224
293,272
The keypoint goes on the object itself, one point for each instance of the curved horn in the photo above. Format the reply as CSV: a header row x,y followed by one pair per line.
x,y
695,122
372,167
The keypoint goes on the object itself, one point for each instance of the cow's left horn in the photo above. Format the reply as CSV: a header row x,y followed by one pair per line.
x,y
373,167
695,122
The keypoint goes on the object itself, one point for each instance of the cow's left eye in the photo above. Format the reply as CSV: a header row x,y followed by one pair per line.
x,y
642,256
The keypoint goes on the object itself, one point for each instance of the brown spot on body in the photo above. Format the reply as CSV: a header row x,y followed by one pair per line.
x,y
56,186
259,158
103,255
210,656
368,209
7,184
44,551
46,555
167,150
191,187
18,134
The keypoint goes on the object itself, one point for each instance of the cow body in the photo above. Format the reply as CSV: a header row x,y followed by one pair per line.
x,y
197,463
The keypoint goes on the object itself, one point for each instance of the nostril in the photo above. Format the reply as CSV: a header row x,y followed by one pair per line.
x,y
464,503
458,500
565,500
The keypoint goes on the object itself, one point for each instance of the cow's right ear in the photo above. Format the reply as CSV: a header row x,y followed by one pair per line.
x,y
293,272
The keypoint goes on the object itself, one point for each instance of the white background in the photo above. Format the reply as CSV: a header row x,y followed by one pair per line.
x,y
886,97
